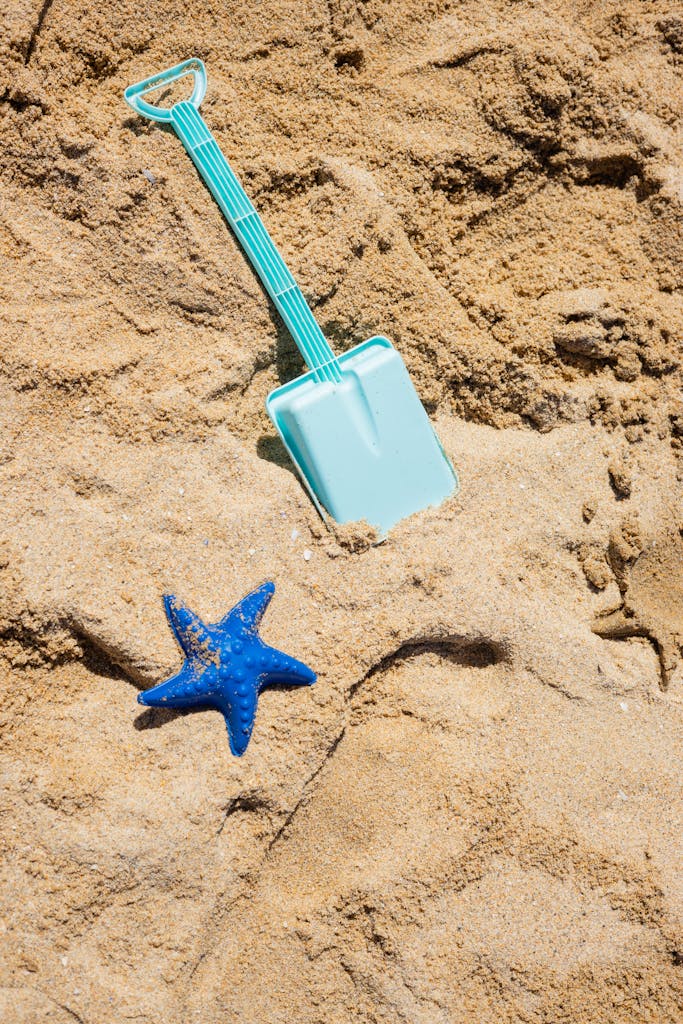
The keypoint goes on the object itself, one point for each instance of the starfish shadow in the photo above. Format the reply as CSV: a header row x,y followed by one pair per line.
x,y
155,718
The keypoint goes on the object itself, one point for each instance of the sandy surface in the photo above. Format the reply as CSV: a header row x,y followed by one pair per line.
x,y
475,814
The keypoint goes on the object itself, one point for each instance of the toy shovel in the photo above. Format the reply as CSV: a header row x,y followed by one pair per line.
x,y
353,425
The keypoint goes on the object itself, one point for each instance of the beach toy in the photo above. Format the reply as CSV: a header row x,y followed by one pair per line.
x,y
227,665
353,425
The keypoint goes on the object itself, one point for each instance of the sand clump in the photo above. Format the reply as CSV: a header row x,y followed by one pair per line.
x,y
475,813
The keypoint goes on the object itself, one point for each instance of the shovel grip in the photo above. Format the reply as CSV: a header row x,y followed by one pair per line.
x,y
239,213
134,93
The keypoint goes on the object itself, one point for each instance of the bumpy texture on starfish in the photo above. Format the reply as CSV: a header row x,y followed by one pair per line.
x,y
227,665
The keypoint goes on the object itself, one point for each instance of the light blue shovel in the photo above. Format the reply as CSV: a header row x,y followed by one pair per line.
x,y
353,425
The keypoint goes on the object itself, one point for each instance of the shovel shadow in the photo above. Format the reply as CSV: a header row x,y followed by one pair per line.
x,y
288,364
270,448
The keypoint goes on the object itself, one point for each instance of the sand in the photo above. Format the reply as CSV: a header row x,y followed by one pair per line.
x,y
475,814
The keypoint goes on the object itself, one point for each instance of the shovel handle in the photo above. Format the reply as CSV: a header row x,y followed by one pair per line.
x,y
239,211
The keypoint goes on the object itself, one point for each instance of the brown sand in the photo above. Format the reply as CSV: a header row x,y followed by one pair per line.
x,y
475,814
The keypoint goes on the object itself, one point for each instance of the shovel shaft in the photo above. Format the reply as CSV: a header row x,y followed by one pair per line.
x,y
241,216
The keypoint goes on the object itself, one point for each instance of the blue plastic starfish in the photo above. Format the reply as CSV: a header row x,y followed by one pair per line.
x,y
227,665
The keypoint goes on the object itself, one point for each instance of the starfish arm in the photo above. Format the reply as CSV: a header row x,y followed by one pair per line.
x,y
194,638
246,616
239,712
193,686
279,669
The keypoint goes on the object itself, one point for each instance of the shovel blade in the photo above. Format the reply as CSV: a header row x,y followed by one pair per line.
x,y
365,447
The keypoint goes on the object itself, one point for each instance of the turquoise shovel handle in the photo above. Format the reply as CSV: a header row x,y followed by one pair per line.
x,y
239,212
134,93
